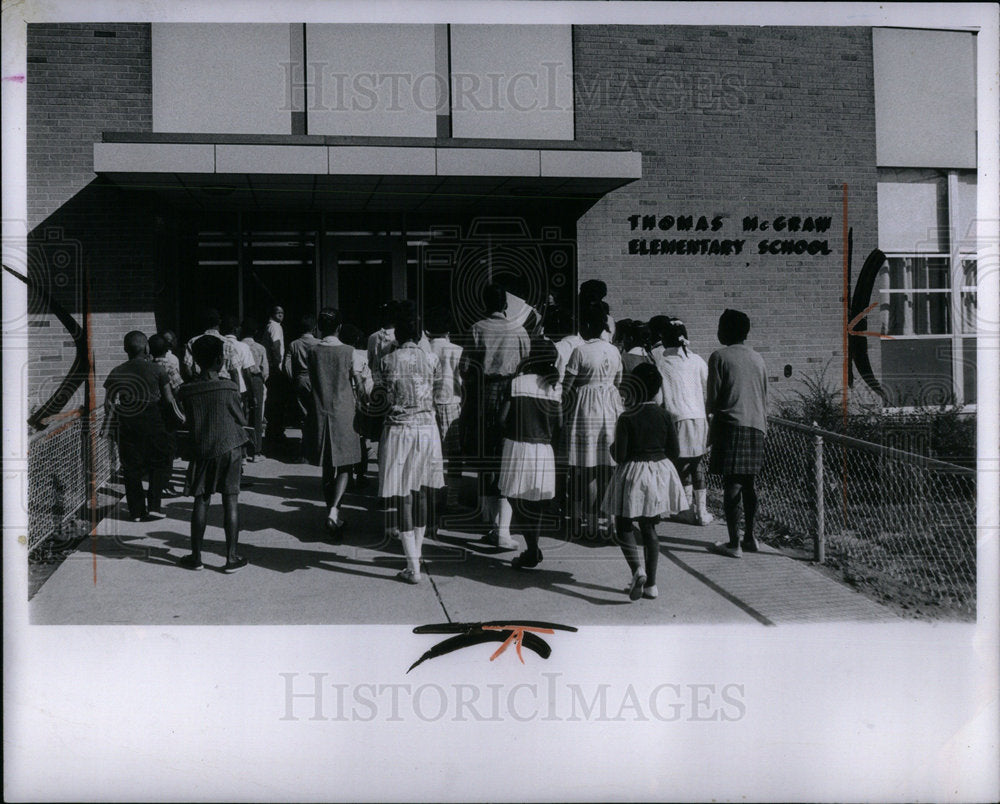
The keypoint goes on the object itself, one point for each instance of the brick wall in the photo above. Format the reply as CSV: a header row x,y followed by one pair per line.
x,y
82,80
733,122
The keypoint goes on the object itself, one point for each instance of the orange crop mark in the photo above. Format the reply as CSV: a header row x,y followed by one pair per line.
x,y
516,636
854,322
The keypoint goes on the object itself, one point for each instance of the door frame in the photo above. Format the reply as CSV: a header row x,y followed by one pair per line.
x,y
332,246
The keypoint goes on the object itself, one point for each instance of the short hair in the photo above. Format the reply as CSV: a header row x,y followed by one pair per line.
x,y
207,351
408,328
657,324
275,308
352,336
541,360
329,320
734,326
638,334
675,333
307,323
249,328
157,345
593,290
494,298
648,381
135,343
593,320
169,336
210,318
230,325
438,321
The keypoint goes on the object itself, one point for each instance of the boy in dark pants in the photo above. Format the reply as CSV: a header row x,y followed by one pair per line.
x,y
134,391
215,418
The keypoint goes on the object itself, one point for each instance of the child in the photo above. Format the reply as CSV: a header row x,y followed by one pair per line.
x,y
559,328
645,485
593,374
656,326
685,384
328,438
447,398
737,402
409,455
215,418
133,393
382,341
594,291
256,385
159,349
504,344
527,468
363,385
635,344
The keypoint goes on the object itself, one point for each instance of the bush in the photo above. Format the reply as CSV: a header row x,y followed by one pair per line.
x,y
944,432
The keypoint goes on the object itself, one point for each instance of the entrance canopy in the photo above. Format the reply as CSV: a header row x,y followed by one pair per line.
x,y
366,174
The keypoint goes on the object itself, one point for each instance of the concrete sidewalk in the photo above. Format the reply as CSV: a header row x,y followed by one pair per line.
x,y
129,574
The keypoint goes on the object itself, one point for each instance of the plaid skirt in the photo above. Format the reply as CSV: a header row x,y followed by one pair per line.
x,y
736,450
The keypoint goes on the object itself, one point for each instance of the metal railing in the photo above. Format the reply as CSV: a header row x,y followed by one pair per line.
x,y
60,459
899,522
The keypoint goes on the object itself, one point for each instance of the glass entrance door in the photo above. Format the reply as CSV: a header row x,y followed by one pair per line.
x,y
365,282
360,274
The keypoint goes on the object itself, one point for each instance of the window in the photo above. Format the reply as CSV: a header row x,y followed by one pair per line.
x,y
927,286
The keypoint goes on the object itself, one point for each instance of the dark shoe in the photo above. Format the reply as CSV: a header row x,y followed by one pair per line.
x,y
191,563
750,546
407,576
235,566
635,588
527,560
335,530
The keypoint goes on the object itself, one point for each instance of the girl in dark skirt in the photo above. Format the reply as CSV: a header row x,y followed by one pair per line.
x,y
215,417
737,402
532,418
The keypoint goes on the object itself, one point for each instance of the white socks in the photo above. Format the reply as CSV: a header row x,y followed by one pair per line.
x,y
505,513
418,538
702,516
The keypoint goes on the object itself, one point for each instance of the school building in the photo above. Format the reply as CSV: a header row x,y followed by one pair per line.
x,y
800,174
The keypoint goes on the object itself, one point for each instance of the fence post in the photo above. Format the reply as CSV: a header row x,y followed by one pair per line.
x,y
819,546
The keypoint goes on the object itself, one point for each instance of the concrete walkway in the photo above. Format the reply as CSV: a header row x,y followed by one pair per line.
x,y
129,574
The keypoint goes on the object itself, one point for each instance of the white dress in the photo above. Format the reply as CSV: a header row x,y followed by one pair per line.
x,y
595,369
409,455
685,387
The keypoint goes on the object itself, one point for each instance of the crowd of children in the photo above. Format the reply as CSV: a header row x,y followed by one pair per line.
x,y
599,427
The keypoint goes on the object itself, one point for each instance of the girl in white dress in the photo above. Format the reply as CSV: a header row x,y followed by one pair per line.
x,y
685,388
409,455
593,374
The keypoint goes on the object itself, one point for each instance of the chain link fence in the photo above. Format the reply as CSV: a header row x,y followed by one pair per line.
x,y
58,460
897,523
